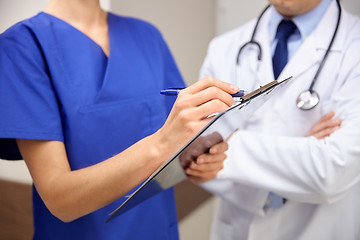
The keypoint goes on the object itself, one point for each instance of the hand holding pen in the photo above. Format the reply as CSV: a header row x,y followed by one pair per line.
x,y
193,106
190,113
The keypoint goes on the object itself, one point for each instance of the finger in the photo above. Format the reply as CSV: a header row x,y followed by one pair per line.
x,y
197,148
321,134
214,165
212,139
331,123
207,111
334,129
326,132
327,116
204,143
210,82
319,126
210,158
191,111
209,94
210,108
202,175
220,147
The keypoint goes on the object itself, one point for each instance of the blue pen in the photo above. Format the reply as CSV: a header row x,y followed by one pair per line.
x,y
171,91
175,91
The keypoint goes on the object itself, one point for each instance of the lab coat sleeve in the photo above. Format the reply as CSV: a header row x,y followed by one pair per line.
x,y
245,197
305,169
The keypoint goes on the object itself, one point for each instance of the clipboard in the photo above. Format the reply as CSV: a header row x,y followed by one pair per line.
x,y
220,128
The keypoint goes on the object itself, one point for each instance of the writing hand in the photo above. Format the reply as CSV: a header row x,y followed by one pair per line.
x,y
191,110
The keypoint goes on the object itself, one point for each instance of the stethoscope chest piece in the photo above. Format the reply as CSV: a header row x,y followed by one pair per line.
x,y
307,100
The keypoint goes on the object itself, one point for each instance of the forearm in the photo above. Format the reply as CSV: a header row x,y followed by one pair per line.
x,y
71,194
305,169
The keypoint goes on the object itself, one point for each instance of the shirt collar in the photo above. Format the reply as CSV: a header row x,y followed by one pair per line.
x,y
305,23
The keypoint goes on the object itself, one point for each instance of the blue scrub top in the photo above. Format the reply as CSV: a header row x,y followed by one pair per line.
x,y
57,84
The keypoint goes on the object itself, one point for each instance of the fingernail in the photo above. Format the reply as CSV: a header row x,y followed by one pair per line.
x,y
235,88
337,120
200,160
213,150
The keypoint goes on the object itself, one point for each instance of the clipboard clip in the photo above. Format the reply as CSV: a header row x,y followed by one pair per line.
x,y
268,87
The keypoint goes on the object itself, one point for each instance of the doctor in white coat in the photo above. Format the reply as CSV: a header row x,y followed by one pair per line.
x,y
272,152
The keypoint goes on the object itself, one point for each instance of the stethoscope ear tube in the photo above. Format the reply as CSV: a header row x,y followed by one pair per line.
x,y
246,44
252,40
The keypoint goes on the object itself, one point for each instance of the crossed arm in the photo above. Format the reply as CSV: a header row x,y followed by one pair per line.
x,y
207,165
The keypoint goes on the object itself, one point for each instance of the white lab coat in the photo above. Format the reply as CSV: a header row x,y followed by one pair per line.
x,y
319,178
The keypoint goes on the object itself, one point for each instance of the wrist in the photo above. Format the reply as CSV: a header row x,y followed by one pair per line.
x,y
161,146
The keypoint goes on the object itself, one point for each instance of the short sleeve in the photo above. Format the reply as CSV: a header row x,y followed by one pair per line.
x,y
29,107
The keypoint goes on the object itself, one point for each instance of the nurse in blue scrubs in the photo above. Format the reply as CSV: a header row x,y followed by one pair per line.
x,y
79,99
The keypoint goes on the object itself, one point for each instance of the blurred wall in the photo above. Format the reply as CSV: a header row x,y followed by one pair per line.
x,y
186,25
12,11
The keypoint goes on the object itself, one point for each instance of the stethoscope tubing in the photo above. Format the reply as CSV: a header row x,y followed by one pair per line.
x,y
328,49
252,40
322,63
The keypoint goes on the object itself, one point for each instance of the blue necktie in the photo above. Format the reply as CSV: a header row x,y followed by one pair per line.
x,y
274,201
280,58
285,29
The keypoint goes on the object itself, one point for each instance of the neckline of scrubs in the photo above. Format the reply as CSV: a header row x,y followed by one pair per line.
x,y
113,49
85,35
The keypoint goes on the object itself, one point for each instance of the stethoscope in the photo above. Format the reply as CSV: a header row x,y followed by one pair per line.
x,y
307,99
